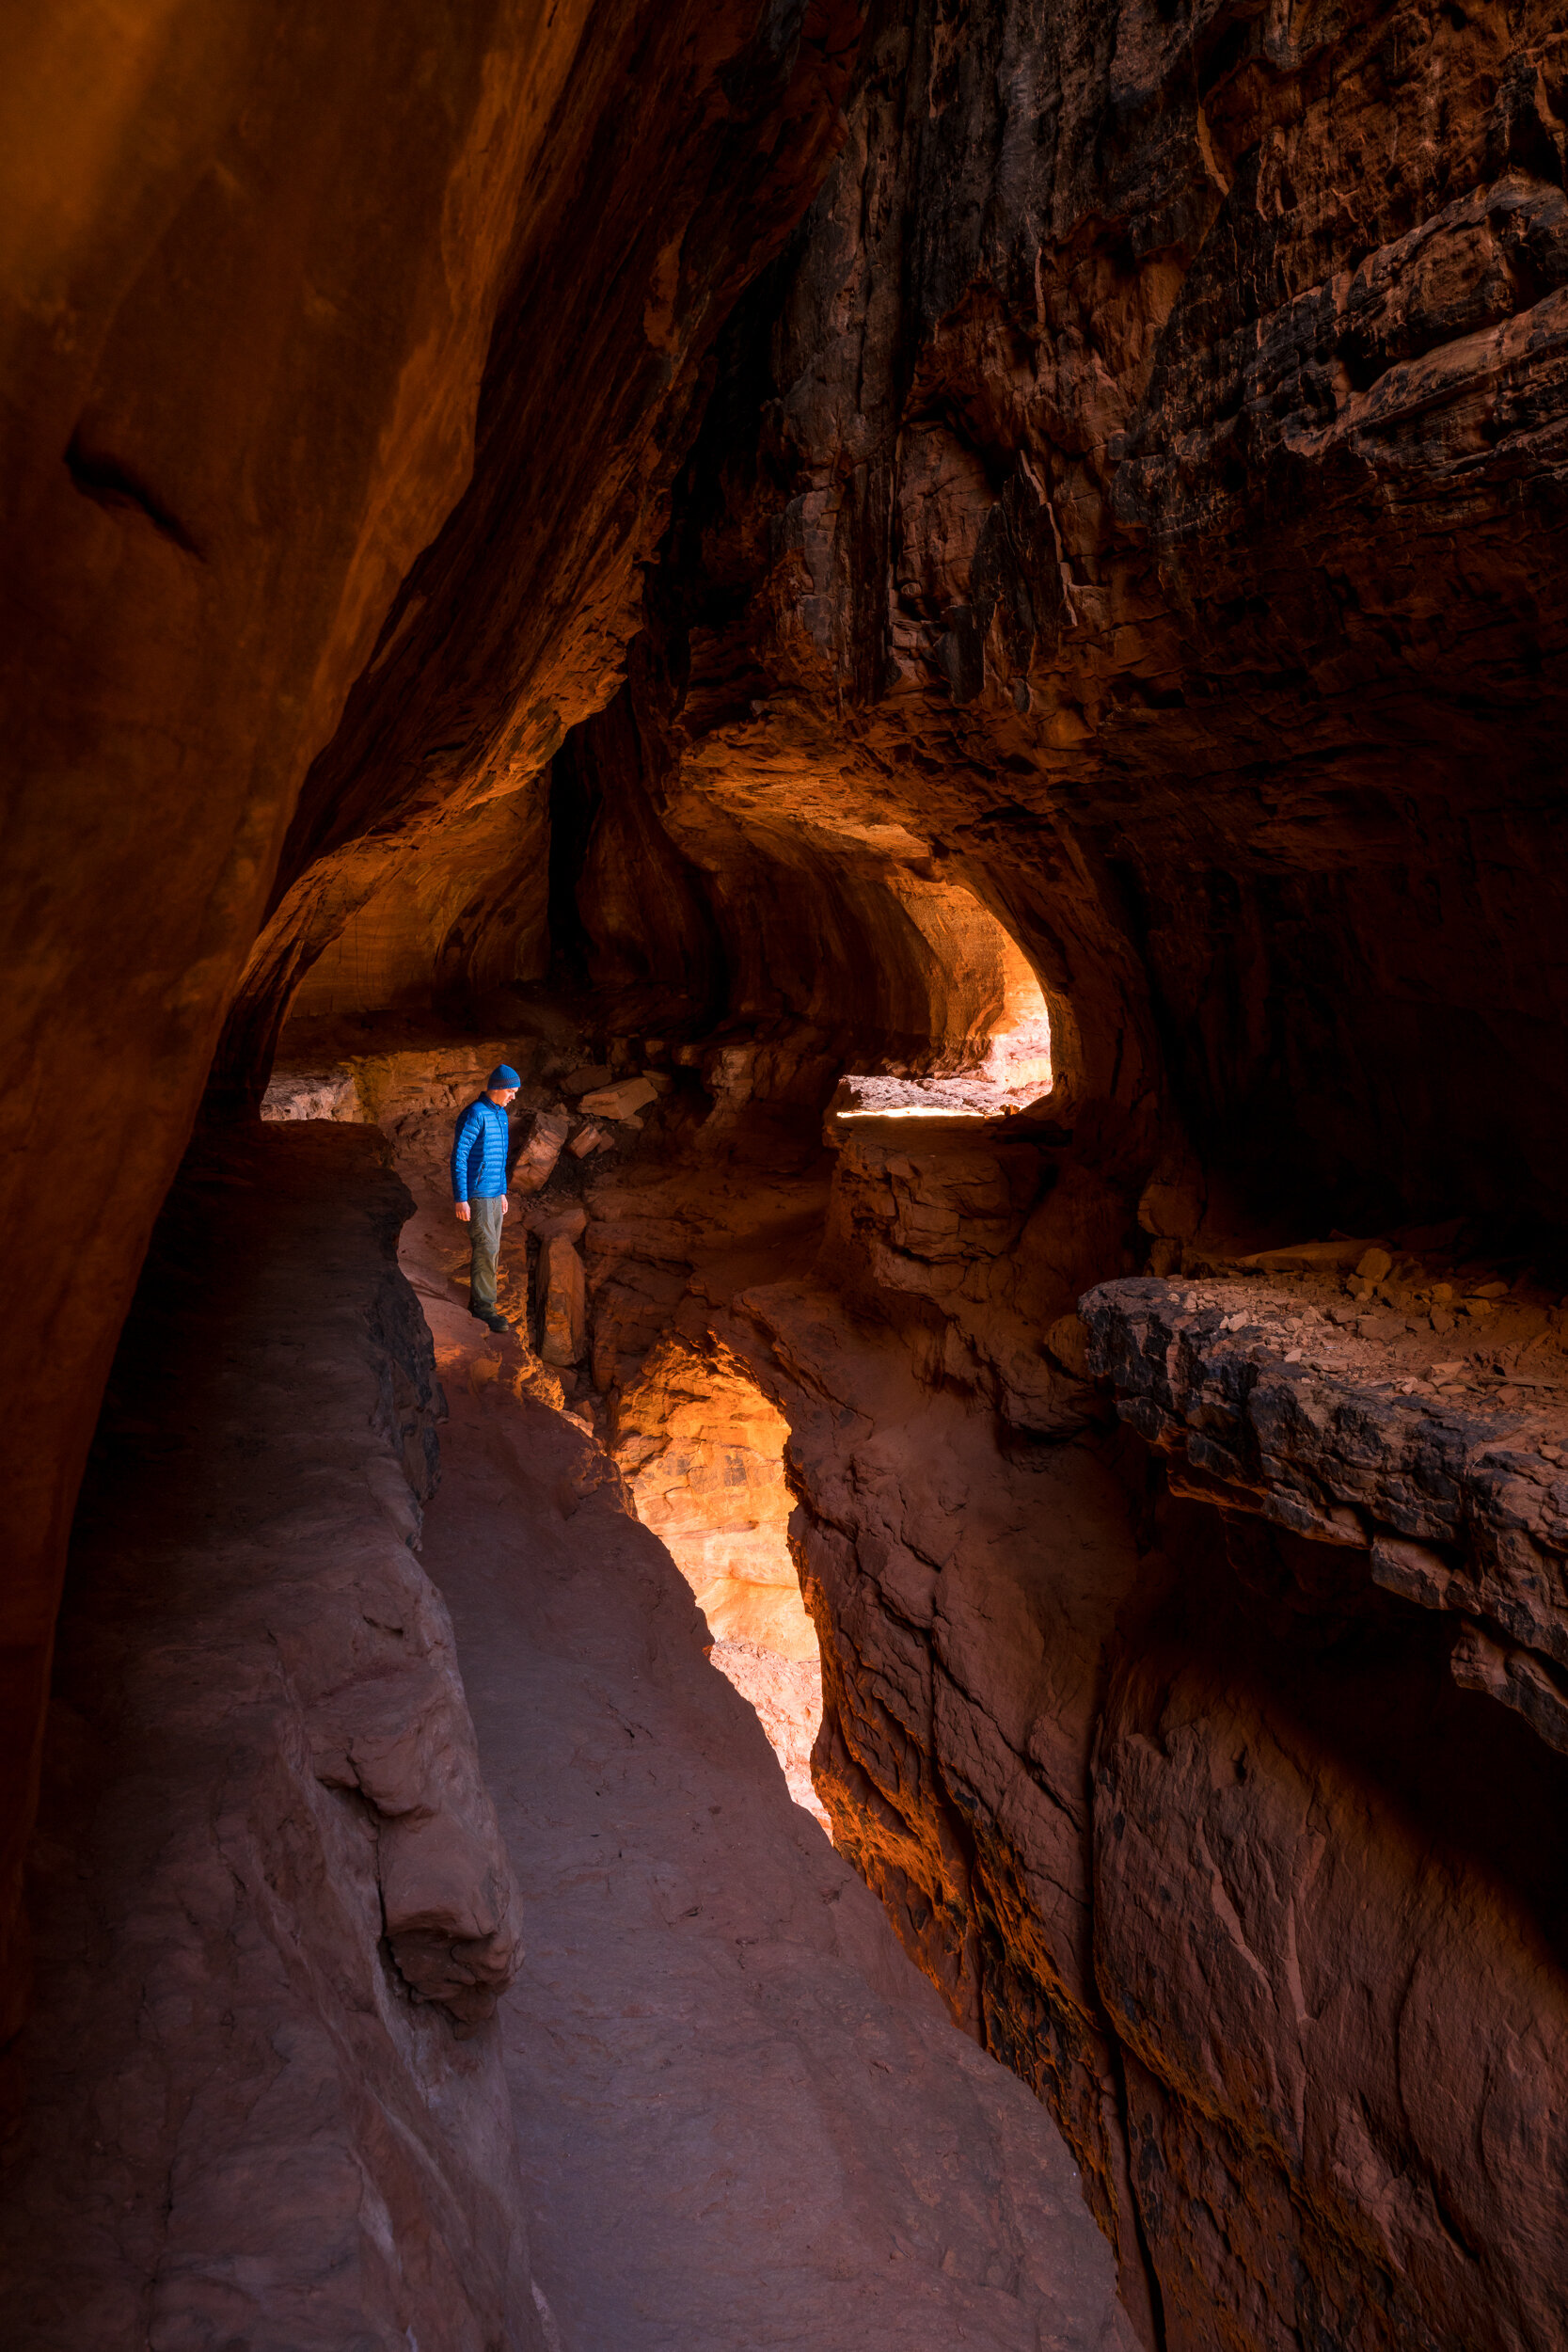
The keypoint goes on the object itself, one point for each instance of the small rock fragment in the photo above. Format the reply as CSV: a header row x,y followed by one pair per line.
x,y
1509,1672
1306,1257
550,1217
1069,1342
536,1161
622,1101
1415,1571
565,1303
1373,1264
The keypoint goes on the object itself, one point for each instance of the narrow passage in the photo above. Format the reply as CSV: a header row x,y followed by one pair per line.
x,y
744,2118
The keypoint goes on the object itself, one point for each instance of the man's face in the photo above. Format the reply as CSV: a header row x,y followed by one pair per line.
x,y
502,1095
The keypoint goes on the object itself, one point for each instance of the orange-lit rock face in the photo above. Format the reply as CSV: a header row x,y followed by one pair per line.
x,y
254,265
702,1450
704,136
251,272
700,1447
1150,504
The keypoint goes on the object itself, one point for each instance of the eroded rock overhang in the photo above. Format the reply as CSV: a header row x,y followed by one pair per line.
x,y
1458,1506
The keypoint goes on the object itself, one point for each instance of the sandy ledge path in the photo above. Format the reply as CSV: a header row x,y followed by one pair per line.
x,y
745,2118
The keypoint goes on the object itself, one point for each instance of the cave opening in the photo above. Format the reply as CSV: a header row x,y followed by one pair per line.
x,y
999,1061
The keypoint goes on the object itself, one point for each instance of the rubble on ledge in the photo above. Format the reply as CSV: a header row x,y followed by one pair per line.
x,y
1446,1468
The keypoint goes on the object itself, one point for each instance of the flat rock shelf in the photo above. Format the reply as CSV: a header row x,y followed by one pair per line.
x,y
1453,1488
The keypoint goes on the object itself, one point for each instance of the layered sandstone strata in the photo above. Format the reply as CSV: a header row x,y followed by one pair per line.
x,y
1456,1500
1157,1747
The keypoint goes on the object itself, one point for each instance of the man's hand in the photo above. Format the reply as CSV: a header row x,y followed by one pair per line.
x,y
460,1211
505,1204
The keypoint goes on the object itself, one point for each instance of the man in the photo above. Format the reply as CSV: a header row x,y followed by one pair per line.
x,y
479,1186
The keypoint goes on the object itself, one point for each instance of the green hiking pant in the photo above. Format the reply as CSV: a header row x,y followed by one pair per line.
x,y
484,1224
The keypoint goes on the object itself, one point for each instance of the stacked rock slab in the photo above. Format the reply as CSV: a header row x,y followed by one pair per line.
x,y
1448,1507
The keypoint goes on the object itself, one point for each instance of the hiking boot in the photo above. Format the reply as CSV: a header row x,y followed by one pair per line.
x,y
497,1323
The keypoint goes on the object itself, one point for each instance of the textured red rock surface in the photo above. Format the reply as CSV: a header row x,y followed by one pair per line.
x,y
744,2117
1039,1668
253,266
1188,1818
1139,493
268,1882
1108,537
1451,1493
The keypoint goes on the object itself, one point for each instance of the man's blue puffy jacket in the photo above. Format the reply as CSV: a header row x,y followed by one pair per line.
x,y
479,1153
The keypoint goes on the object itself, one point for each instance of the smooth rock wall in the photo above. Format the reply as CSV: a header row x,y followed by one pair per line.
x,y
258,2099
257,264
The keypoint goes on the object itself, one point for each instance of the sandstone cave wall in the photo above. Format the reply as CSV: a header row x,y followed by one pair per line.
x,y
1142,482
1135,497
701,138
1204,1825
241,376
1138,490
257,264
844,929
256,2099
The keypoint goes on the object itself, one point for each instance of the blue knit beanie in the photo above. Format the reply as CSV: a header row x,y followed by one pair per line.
x,y
503,1076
